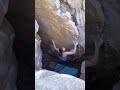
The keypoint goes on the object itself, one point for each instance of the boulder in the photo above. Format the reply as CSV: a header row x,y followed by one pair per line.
x,y
48,80
77,9
116,86
94,18
106,15
38,51
112,22
53,26
94,12
8,64
3,9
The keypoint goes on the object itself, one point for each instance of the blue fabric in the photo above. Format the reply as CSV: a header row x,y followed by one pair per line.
x,y
70,57
67,70
63,58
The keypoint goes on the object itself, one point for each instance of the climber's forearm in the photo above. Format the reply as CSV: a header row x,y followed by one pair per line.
x,y
96,56
94,60
55,46
74,50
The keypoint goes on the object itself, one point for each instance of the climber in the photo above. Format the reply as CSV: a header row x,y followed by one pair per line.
x,y
63,54
86,64
94,60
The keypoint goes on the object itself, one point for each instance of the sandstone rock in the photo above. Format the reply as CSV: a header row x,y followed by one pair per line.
x,y
52,25
77,10
8,65
48,80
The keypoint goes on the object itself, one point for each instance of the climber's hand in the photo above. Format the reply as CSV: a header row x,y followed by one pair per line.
x,y
98,44
75,43
53,41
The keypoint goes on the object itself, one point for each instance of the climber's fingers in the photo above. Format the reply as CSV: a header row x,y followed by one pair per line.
x,y
98,43
53,41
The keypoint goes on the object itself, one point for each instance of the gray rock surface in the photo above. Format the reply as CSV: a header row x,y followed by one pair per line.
x,y
78,7
48,80
3,9
104,13
112,21
8,64
116,86
38,51
57,26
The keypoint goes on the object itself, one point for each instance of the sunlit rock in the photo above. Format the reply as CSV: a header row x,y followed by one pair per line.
x,y
104,13
78,7
48,80
53,26
38,51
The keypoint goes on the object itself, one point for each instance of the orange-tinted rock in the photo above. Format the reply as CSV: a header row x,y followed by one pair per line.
x,y
53,26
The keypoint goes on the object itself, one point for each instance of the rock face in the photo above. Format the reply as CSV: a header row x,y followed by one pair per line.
x,y
38,51
116,86
77,9
8,65
48,80
53,25
106,15
3,9
112,23
103,15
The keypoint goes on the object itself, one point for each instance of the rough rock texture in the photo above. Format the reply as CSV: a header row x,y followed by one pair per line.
x,y
38,51
8,65
112,23
102,21
48,80
77,9
3,9
116,86
103,18
94,12
53,26
104,13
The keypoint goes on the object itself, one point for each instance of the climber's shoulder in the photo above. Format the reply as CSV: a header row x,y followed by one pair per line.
x,y
68,53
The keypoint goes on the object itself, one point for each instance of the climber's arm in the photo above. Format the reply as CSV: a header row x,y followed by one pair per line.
x,y
57,49
96,54
74,50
